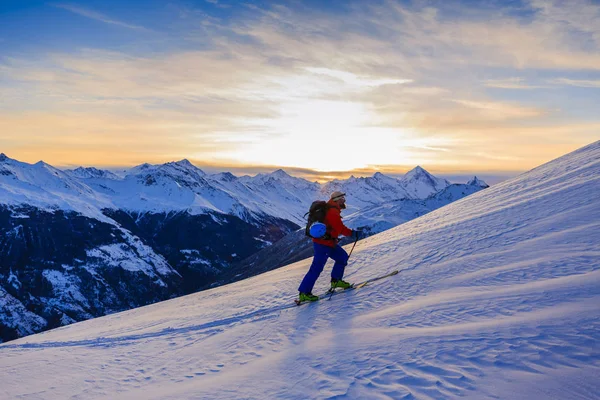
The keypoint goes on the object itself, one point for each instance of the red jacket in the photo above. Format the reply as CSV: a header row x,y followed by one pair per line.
x,y
335,226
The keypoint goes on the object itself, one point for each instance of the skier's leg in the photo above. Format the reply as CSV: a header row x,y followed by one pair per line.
x,y
339,255
319,260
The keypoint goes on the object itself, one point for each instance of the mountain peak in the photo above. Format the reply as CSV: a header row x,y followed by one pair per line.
x,y
185,162
225,176
43,164
91,172
477,182
421,183
3,157
144,166
418,173
280,173
417,170
182,166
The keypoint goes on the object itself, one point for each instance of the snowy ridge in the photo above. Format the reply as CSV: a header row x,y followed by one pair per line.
x,y
497,298
180,186
91,172
366,192
392,213
277,194
48,188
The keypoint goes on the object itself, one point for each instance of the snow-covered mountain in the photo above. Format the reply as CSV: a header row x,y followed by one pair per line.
x,y
64,267
91,172
387,215
276,194
169,229
477,182
182,187
497,297
366,192
84,243
42,186
421,184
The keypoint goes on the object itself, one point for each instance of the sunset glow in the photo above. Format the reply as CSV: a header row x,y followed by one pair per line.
x,y
342,87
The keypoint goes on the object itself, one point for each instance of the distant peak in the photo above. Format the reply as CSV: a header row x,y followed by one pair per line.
x,y
477,182
3,157
90,169
185,162
418,168
416,172
182,165
92,172
280,173
226,176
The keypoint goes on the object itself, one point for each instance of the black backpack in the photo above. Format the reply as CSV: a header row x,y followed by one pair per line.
x,y
316,213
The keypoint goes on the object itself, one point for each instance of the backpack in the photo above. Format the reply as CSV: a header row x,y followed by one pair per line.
x,y
316,215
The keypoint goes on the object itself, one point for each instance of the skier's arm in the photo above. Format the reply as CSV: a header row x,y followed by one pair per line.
x,y
338,225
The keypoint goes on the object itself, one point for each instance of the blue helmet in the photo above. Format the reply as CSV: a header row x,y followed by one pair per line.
x,y
318,230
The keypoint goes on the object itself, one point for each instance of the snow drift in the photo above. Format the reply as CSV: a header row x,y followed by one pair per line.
x,y
498,297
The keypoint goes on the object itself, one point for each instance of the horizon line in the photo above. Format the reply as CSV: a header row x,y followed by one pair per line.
x,y
305,173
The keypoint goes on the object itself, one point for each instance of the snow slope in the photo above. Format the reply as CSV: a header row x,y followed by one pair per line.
x,y
498,297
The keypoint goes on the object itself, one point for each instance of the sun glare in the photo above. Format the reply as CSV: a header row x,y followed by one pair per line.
x,y
326,135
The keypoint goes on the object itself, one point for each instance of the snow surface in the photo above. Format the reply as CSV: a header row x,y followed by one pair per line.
x,y
498,297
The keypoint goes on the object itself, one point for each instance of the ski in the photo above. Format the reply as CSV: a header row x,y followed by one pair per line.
x,y
331,292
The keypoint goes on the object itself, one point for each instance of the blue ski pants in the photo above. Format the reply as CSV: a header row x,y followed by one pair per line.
x,y
322,253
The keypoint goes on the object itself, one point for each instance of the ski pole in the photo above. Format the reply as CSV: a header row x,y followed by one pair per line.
x,y
352,249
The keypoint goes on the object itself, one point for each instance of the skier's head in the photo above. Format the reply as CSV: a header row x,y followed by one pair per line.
x,y
339,198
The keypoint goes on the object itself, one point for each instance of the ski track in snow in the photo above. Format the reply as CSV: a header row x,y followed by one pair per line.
x,y
498,298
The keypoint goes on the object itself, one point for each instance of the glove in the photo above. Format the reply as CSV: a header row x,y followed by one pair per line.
x,y
356,233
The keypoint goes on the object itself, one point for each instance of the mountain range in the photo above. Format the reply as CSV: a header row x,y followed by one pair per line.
x,y
81,243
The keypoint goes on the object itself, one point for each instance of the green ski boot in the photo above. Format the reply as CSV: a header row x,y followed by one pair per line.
x,y
338,283
307,297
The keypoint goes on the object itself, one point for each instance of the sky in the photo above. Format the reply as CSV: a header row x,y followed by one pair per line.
x,y
318,88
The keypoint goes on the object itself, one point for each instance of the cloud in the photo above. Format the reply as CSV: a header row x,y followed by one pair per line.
x,y
501,110
577,82
354,79
98,16
552,38
404,72
510,83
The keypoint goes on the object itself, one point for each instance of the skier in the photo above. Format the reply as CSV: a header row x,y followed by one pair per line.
x,y
328,247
